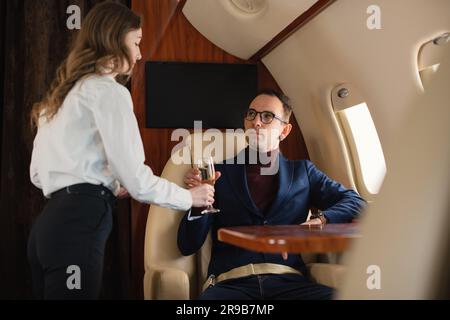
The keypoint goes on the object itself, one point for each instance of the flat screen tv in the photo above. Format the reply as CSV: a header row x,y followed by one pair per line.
x,y
177,94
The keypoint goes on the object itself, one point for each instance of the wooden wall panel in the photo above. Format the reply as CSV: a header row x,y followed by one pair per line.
x,y
2,66
168,36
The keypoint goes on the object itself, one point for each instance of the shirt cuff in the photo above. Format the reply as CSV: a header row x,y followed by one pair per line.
x,y
187,199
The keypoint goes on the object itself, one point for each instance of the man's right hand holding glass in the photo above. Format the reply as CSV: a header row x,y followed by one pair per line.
x,y
193,179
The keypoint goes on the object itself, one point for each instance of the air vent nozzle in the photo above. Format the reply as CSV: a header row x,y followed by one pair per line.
x,y
249,6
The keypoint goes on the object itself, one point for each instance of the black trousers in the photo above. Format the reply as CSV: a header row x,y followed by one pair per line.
x,y
270,287
67,243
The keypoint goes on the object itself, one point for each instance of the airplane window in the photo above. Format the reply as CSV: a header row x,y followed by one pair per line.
x,y
365,148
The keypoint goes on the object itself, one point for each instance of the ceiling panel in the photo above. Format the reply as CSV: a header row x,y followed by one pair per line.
x,y
242,27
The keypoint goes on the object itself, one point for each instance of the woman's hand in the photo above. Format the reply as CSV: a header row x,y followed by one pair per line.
x,y
123,193
193,179
202,195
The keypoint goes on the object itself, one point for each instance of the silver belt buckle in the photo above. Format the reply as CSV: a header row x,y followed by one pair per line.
x,y
211,280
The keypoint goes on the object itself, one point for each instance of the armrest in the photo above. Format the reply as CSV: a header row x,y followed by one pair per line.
x,y
327,274
170,284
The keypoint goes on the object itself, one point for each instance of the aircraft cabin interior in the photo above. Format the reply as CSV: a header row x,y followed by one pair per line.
x,y
368,83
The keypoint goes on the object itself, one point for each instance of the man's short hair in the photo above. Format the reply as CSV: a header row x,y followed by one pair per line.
x,y
285,100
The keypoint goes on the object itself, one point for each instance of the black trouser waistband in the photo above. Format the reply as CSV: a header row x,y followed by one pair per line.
x,y
86,189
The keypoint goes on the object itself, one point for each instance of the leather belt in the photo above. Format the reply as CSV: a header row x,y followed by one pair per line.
x,y
248,270
86,189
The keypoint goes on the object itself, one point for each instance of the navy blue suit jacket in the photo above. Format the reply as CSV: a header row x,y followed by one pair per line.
x,y
301,186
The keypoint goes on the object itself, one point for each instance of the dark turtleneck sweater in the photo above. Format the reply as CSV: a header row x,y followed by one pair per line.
x,y
263,188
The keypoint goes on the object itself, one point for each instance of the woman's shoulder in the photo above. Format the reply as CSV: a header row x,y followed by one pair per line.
x,y
103,91
102,84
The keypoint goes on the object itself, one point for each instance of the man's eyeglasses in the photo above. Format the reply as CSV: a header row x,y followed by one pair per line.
x,y
266,116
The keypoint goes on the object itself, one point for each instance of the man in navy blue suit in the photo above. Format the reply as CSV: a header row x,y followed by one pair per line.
x,y
265,189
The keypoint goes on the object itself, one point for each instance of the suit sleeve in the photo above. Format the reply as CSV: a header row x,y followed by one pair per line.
x,y
338,204
192,234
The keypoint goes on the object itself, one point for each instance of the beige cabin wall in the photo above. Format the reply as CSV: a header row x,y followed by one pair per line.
x,y
337,47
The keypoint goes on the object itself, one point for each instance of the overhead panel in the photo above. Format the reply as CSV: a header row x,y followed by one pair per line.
x,y
242,27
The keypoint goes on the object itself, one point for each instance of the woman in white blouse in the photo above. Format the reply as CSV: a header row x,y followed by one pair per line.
x,y
87,147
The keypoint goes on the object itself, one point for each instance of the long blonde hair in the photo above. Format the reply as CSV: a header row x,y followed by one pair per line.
x,y
100,42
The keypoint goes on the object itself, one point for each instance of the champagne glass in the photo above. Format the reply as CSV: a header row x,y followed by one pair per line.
x,y
208,175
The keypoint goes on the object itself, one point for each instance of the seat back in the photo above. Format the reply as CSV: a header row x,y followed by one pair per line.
x,y
168,274
162,259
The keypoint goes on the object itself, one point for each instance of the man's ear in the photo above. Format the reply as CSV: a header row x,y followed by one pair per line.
x,y
285,132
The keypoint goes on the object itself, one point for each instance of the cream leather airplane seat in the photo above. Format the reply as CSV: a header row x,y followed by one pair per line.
x,y
168,274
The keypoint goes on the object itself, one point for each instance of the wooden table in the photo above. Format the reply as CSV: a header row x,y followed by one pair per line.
x,y
291,238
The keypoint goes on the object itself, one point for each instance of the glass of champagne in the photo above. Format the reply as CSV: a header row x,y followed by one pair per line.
x,y
208,175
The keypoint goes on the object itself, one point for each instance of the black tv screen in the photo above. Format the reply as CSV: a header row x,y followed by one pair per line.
x,y
180,93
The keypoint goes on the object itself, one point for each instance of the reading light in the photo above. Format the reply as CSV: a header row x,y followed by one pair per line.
x,y
442,39
343,93
249,6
